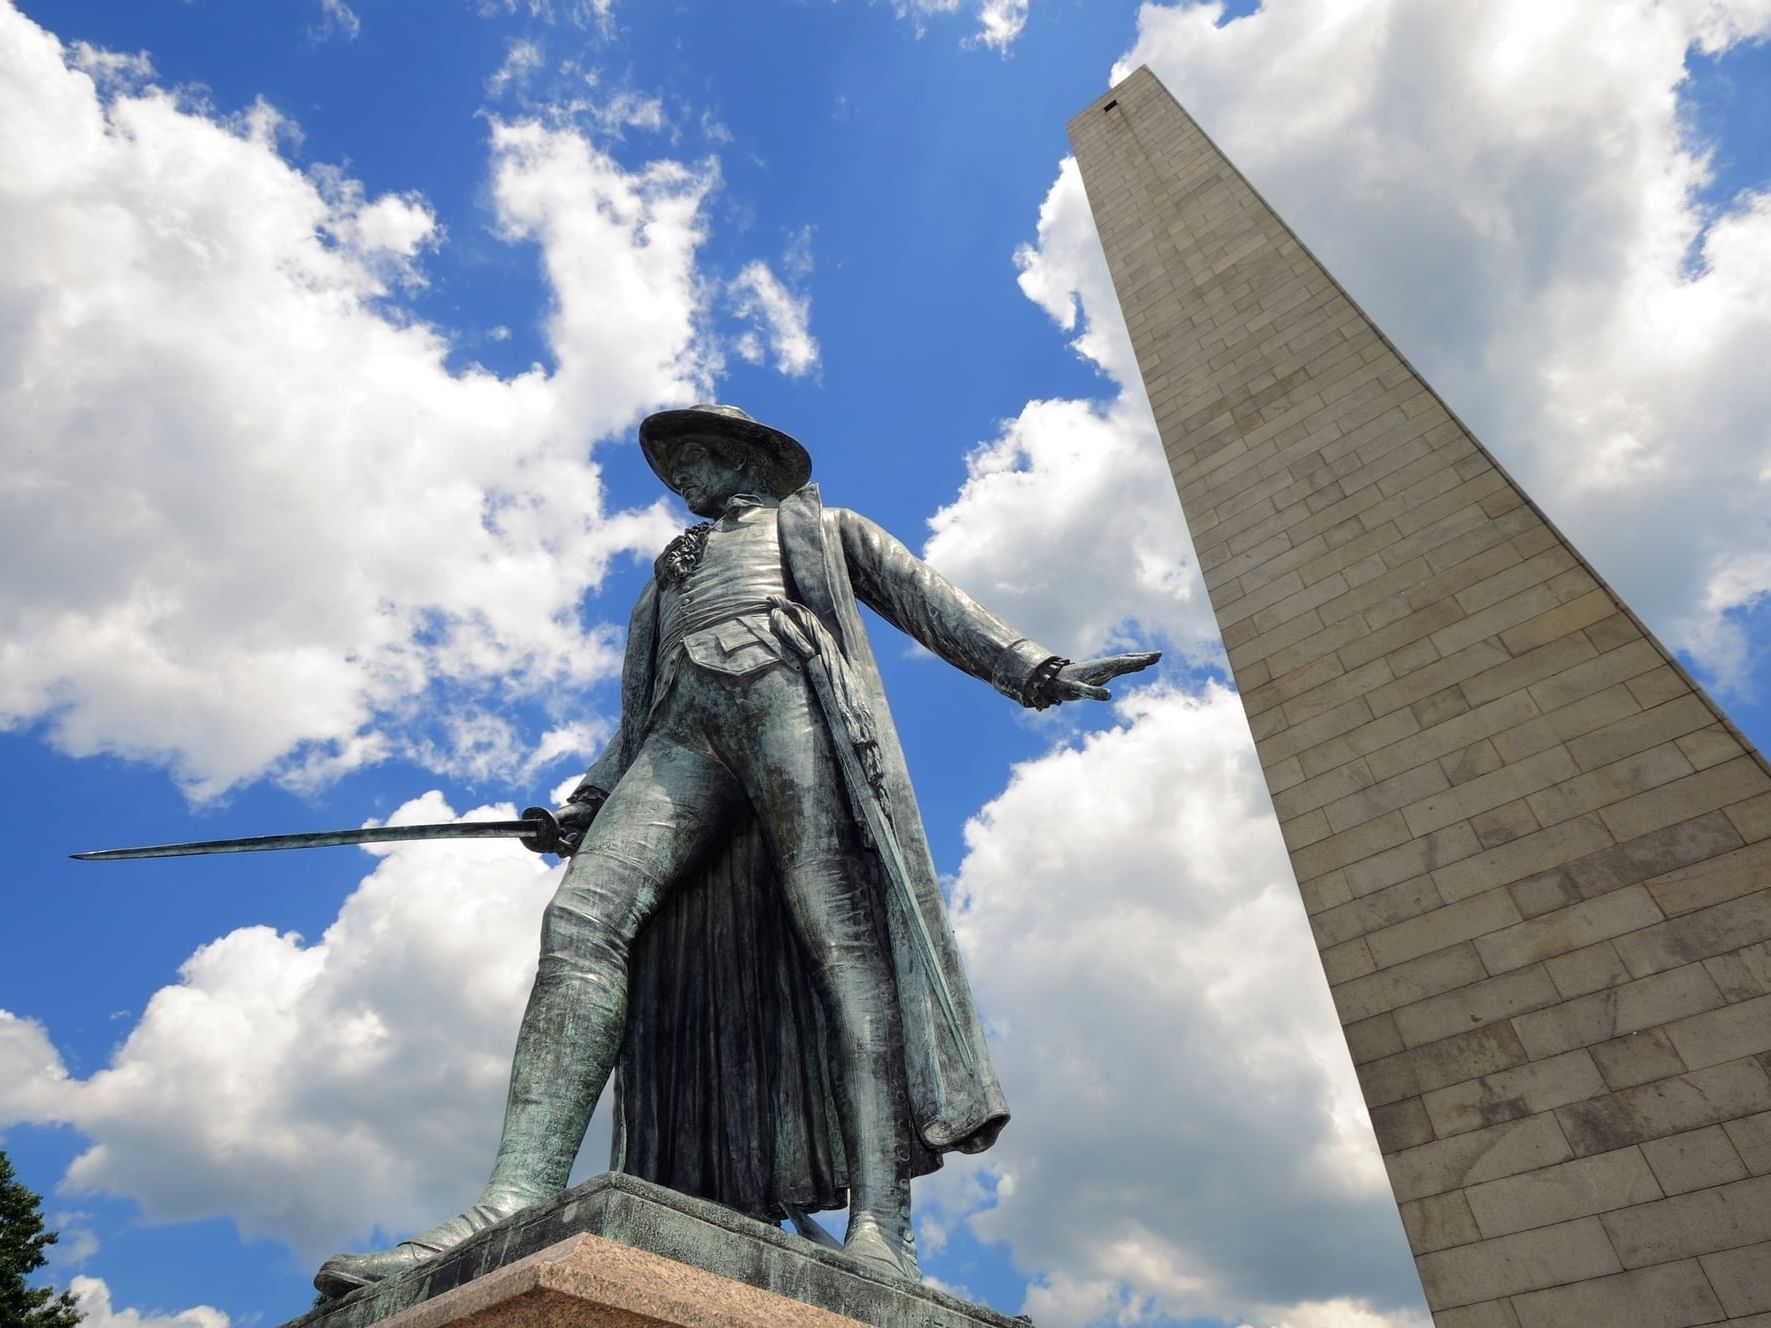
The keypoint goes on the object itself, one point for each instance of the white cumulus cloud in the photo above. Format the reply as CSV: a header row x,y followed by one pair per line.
x,y
1068,520
33,1081
1188,1136
522,57
1068,526
260,524
1341,1313
1065,273
999,21
337,19
780,320
1517,197
76,1242
315,1091
96,1310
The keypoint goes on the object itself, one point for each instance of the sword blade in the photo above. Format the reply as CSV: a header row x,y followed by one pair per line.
x,y
374,834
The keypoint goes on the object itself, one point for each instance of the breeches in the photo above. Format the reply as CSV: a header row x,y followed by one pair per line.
x,y
720,748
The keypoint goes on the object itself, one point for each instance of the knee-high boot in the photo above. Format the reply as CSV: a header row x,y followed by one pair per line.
x,y
566,1048
847,950
876,1137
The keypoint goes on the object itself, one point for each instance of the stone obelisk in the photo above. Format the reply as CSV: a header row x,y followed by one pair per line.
x,y
1535,855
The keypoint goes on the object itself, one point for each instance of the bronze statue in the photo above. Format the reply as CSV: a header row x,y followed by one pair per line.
x,y
749,933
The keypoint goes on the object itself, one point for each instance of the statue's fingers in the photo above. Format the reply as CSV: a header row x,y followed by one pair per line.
x,y
1084,691
1143,659
1112,666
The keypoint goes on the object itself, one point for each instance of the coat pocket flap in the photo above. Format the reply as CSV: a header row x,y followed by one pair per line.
x,y
733,648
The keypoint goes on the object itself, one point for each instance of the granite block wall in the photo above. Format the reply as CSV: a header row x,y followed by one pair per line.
x,y
1535,855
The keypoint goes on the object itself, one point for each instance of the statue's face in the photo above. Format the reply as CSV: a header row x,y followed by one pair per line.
x,y
707,475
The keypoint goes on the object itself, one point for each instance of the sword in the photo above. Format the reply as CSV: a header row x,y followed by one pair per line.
x,y
538,830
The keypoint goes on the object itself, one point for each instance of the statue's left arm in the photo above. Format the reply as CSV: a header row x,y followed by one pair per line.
x,y
920,602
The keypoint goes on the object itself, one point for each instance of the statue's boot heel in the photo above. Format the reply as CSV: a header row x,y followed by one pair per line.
x,y
879,1229
344,1273
885,1241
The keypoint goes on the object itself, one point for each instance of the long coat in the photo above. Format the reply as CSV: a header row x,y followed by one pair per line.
x,y
723,1087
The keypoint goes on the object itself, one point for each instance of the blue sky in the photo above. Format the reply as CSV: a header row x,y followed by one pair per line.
x,y
327,328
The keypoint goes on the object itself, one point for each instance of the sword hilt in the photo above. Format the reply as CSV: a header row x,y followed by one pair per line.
x,y
548,837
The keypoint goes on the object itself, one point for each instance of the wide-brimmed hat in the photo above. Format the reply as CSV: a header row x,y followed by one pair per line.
x,y
788,464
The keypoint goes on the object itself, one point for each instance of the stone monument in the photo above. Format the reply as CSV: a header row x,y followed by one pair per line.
x,y
1535,855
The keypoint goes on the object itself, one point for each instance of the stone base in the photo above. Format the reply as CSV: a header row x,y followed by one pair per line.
x,y
618,1251
587,1280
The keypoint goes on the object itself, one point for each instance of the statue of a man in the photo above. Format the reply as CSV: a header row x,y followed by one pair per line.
x,y
751,925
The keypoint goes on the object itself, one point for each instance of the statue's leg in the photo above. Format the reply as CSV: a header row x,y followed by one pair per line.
x,y
796,786
667,811
671,804
832,912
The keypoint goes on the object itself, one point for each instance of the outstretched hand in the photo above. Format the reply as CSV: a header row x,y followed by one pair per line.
x,y
1082,680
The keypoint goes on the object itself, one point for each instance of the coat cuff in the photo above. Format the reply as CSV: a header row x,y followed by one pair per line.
x,y
1017,671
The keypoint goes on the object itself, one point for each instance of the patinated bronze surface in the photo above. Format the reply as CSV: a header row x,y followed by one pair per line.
x,y
750,934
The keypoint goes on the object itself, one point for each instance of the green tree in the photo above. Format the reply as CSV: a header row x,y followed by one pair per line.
x,y
23,1238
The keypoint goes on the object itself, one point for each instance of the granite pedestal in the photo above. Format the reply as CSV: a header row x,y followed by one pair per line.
x,y
617,1251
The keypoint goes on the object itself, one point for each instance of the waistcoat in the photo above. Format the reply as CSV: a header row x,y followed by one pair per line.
x,y
719,615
